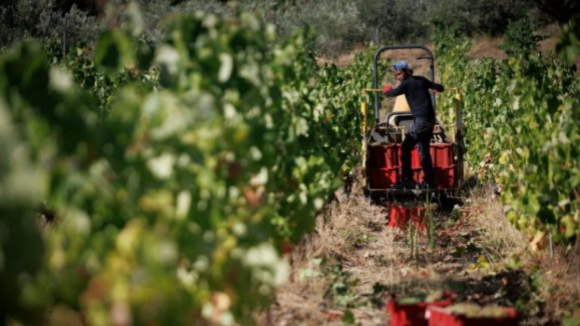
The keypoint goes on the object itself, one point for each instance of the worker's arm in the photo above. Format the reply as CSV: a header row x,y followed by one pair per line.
x,y
400,90
435,86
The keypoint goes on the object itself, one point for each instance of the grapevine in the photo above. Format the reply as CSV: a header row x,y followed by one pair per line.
x,y
521,113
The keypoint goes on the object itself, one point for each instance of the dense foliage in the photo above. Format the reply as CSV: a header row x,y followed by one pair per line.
x,y
177,173
519,39
522,114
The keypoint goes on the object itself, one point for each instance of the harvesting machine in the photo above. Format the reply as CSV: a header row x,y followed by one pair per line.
x,y
381,147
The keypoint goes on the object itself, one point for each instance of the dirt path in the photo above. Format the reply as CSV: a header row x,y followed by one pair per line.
x,y
343,273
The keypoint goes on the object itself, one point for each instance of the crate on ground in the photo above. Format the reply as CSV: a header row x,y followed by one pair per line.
x,y
449,316
413,314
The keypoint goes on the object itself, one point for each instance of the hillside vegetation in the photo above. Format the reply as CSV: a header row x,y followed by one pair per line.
x,y
339,24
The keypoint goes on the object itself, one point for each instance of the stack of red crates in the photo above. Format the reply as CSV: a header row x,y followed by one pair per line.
x,y
385,164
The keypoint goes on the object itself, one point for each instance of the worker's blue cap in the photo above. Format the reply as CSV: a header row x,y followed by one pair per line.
x,y
401,65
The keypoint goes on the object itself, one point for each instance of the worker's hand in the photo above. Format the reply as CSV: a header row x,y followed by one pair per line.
x,y
387,88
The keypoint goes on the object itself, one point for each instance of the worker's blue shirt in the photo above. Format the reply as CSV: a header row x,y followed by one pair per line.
x,y
416,90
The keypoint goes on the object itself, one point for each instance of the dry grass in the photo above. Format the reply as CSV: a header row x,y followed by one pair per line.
x,y
486,46
558,279
500,237
344,59
353,234
339,237
560,282
558,275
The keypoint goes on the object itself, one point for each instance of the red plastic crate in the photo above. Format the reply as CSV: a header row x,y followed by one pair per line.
x,y
414,314
384,159
382,178
438,316
376,156
400,215
415,158
442,154
418,175
386,156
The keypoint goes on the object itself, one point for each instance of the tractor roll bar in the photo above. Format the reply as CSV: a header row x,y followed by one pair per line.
x,y
400,47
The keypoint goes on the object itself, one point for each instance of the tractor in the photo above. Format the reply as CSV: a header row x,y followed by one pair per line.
x,y
381,149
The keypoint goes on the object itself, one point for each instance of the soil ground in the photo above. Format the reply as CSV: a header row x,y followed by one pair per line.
x,y
345,272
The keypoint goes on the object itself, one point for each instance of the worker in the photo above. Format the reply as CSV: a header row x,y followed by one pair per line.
x,y
416,90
